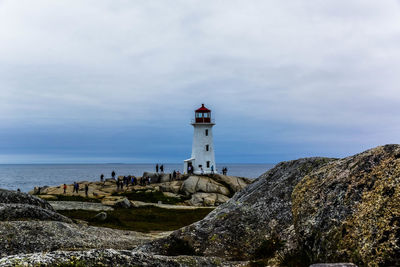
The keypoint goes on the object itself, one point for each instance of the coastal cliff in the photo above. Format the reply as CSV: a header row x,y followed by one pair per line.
x,y
300,212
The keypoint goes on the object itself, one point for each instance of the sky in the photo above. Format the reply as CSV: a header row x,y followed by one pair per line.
x,y
98,81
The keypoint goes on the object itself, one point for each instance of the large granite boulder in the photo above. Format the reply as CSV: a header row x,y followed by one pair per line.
x,y
14,212
237,228
39,236
20,206
350,209
307,211
195,184
13,197
173,187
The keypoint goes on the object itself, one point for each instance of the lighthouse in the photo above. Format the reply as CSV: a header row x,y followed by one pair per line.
x,y
203,157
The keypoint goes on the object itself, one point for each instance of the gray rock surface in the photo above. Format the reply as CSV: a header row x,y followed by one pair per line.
x,y
14,212
78,205
237,228
123,203
37,236
110,257
102,216
307,211
12,197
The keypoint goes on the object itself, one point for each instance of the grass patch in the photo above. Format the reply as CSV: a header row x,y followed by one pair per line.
x,y
76,198
143,219
152,197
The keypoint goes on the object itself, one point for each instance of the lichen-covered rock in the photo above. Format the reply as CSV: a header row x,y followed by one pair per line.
x,y
37,236
237,228
350,209
111,257
12,197
14,212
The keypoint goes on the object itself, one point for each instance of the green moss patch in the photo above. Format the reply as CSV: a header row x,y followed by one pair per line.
x,y
143,219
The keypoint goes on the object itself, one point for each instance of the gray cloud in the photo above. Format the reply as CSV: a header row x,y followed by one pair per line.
x,y
314,70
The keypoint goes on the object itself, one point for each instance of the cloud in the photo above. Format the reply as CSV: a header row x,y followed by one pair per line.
x,y
314,70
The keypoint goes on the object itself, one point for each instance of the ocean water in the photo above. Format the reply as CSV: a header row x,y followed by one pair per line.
x,y
27,176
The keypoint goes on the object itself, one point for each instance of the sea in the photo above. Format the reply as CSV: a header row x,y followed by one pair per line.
x,y
26,176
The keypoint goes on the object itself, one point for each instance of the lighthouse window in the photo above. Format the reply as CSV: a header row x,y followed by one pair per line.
x,y
205,115
208,164
206,132
207,147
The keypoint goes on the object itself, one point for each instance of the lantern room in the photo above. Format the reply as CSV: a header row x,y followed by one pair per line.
x,y
203,115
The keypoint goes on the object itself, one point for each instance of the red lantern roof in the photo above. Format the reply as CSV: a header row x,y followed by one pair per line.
x,y
203,109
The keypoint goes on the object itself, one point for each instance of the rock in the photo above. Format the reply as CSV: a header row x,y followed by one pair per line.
x,y
123,203
39,236
307,211
165,177
207,199
173,187
349,210
12,197
111,257
77,205
169,194
203,184
233,183
236,229
155,177
13,212
102,216
333,265
111,200
48,197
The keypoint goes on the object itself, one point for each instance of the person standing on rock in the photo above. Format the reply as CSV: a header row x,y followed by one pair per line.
x,y
65,188
174,175
117,184
77,188
157,168
113,174
102,177
162,168
212,169
86,189
201,171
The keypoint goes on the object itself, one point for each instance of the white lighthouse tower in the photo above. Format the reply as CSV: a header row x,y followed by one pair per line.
x,y
203,157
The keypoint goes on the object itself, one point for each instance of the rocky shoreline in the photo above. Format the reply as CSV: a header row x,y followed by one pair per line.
x,y
299,213
191,190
